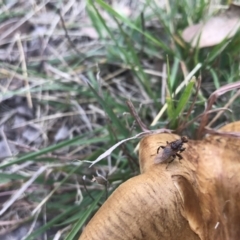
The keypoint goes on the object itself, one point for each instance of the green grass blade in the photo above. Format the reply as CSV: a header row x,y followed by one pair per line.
x,y
90,3
95,20
215,78
130,24
169,98
184,98
110,113
135,59
52,222
170,107
82,220
217,50
31,156
169,85
174,72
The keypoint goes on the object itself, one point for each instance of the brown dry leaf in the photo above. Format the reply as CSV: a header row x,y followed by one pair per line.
x,y
215,30
197,198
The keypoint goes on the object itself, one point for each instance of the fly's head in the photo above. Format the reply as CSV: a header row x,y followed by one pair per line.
x,y
177,145
184,139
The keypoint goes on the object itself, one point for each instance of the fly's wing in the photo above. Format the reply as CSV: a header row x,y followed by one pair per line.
x,y
163,155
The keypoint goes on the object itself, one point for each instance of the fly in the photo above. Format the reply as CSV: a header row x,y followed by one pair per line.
x,y
171,150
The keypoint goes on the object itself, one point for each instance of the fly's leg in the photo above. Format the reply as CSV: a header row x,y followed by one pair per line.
x,y
182,149
159,148
173,157
179,156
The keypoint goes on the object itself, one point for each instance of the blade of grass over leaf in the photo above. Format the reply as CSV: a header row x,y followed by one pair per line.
x,y
217,50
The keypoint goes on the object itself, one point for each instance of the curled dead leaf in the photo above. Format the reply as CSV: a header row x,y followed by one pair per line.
x,y
197,198
214,30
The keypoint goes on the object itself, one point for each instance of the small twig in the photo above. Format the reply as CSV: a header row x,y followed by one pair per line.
x,y
20,145
106,186
67,35
142,35
103,180
213,97
136,117
89,194
231,100
227,134
206,113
